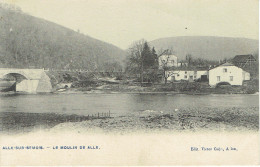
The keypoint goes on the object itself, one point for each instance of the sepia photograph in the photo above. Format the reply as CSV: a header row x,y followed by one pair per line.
x,y
129,82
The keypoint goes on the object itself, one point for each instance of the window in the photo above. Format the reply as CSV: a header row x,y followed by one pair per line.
x,y
218,78
231,78
185,72
191,77
224,69
178,75
185,76
195,76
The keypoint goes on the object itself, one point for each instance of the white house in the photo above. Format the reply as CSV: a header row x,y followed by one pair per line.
x,y
168,61
179,75
229,73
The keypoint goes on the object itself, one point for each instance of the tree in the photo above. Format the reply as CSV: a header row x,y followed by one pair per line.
x,y
150,65
112,66
155,58
148,57
26,41
142,60
152,70
134,58
189,59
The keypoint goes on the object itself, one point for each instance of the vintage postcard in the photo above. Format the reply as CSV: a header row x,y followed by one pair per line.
x,y
129,82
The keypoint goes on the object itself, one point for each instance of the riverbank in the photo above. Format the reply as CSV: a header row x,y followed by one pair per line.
x,y
20,122
160,89
193,119
94,82
207,119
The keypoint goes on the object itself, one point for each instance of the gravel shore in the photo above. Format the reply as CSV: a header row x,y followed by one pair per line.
x,y
206,119
191,119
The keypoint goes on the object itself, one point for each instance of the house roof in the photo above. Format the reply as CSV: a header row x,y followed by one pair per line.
x,y
227,64
164,55
224,64
182,61
191,68
242,58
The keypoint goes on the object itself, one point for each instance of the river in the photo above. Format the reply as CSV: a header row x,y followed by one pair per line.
x,y
119,104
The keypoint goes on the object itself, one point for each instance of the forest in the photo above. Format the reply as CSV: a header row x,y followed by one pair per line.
x,y
29,42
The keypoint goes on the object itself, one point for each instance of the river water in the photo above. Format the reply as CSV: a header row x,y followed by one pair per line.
x,y
119,104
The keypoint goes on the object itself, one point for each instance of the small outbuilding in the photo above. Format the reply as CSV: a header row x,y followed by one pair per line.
x,y
188,75
227,73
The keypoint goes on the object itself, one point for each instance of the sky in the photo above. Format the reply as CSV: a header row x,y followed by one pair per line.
x,y
121,22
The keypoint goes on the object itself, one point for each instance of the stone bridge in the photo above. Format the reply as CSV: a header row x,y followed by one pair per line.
x,y
28,80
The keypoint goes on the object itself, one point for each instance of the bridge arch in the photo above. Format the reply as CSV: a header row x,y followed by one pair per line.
x,y
11,80
14,74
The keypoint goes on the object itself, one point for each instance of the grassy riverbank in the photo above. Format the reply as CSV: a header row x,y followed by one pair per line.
x,y
181,87
94,82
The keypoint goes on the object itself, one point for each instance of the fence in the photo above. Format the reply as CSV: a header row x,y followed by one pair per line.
x,y
11,122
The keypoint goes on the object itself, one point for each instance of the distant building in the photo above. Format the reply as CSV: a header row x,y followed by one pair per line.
x,y
192,75
182,64
168,61
228,73
243,60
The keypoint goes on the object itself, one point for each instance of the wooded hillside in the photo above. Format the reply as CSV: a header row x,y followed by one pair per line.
x,y
26,41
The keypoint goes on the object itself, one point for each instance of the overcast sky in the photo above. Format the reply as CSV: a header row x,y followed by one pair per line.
x,y
121,22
